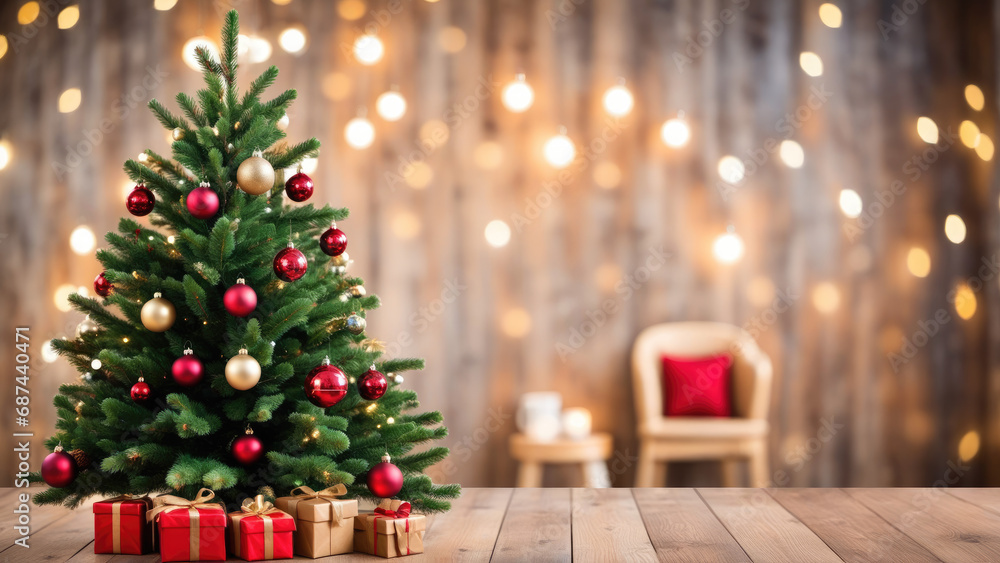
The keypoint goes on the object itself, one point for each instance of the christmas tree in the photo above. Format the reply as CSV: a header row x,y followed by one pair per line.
x,y
213,370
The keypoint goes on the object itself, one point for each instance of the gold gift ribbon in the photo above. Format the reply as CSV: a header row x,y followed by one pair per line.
x,y
169,503
329,494
256,506
116,521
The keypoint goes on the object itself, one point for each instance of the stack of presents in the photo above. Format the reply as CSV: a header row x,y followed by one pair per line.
x,y
306,523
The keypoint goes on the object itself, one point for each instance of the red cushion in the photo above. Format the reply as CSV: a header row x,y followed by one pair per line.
x,y
697,386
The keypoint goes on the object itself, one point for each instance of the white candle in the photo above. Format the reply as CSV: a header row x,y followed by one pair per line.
x,y
576,423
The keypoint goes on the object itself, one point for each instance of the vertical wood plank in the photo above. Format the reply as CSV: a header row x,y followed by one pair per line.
x,y
607,526
536,527
683,528
764,529
468,532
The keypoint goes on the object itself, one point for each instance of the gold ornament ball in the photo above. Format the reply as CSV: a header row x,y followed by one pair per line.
x,y
255,175
177,134
158,314
358,291
242,371
341,259
86,326
355,324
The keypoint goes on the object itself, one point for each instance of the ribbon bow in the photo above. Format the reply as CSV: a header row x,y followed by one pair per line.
x,y
333,492
402,511
257,506
168,503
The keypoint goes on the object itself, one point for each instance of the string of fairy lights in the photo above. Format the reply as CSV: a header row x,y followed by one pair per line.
x,y
558,151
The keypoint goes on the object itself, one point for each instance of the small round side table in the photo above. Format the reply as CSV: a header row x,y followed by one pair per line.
x,y
591,453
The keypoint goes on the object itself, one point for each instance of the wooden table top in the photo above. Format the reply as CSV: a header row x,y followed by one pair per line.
x,y
773,525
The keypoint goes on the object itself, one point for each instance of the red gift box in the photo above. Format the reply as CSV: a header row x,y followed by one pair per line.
x,y
190,530
120,525
260,531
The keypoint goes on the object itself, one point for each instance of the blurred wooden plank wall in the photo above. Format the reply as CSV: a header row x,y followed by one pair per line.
x,y
899,428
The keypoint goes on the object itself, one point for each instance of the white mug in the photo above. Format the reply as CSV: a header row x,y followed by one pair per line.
x,y
538,415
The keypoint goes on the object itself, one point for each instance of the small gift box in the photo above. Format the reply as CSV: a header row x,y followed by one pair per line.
x,y
260,531
324,524
120,525
391,531
190,530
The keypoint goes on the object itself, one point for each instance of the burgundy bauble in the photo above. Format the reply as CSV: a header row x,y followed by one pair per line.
x,y
140,201
372,385
187,370
299,187
326,385
240,300
333,241
140,391
384,479
102,286
59,468
290,264
203,202
247,449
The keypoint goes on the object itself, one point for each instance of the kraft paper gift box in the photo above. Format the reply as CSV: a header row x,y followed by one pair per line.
x,y
391,531
259,531
324,524
120,525
190,530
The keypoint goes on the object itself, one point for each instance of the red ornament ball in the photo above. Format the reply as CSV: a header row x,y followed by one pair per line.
x,y
203,202
333,241
59,468
385,480
102,286
299,187
140,201
247,449
187,370
326,385
140,391
240,300
290,264
372,385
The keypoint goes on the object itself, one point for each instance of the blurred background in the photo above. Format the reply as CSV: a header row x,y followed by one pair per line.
x,y
533,183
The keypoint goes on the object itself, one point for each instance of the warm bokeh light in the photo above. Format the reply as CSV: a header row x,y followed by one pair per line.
x,y
293,40
188,51
954,228
927,129
968,446
969,133
49,353
258,49
281,2
607,174
608,275
497,233
965,301
488,155
351,10
618,101
918,262
826,297
337,86
309,164
516,322
728,248
5,154
452,39
435,132
760,291
61,296
419,175
559,151
368,49
675,132
28,12
975,98
164,5
811,63
68,17
96,364
850,203
731,169
359,133
984,148
405,224
517,95
82,240
791,154
3,45
830,15
391,106
70,100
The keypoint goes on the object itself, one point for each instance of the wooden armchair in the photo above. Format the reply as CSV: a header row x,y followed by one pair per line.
x,y
742,437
